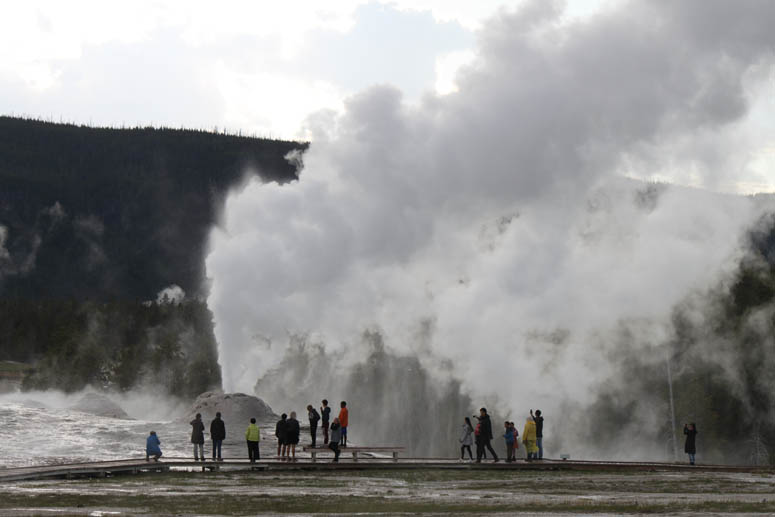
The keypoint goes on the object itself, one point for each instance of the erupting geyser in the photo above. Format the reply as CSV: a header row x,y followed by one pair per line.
x,y
491,234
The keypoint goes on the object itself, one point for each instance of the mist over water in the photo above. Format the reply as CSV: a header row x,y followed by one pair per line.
x,y
490,237
41,428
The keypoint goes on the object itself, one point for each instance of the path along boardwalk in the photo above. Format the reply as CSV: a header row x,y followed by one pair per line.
x,y
136,466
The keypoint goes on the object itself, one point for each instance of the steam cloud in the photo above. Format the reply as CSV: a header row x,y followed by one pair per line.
x,y
496,222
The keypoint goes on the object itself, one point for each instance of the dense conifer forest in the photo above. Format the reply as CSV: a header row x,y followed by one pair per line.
x,y
94,222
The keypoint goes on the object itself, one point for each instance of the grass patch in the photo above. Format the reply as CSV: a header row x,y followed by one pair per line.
x,y
262,503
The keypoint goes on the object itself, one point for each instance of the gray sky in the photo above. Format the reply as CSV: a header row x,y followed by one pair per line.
x,y
264,67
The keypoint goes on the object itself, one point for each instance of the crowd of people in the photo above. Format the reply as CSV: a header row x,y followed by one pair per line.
x,y
532,438
288,430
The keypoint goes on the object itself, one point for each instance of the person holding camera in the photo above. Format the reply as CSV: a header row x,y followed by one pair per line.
x,y
539,421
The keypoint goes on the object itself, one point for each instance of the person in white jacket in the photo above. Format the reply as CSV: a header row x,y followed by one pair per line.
x,y
466,440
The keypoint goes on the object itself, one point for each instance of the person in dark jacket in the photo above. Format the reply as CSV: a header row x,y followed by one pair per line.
x,y
217,435
325,414
198,437
279,432
539,420
314,417
690,447
484,437
336,436
152,447
292,431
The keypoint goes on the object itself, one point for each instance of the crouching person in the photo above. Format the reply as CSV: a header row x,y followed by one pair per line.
x,y
335,438
152,448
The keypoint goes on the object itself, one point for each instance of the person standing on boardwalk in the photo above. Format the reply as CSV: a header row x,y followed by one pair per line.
x,y
509,437
343,421
217,435
336,436
325,414
690,446
152,447
292,431
485,435
279,432
198,437
529,439
465,439
314,417
252,437
539,420
516,440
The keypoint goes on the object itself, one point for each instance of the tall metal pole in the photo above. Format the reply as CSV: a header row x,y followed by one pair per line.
x,y
672,407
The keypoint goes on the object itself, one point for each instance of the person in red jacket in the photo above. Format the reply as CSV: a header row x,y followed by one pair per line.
x,y
343,414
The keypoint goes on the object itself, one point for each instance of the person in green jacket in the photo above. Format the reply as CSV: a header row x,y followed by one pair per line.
x,y
253,436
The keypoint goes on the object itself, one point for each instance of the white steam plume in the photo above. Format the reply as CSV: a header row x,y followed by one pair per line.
x,y
499,212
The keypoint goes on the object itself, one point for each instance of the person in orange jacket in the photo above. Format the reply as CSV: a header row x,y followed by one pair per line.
x,y
343,421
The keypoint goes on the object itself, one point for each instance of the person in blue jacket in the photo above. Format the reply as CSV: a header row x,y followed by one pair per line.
x,y
509,437
152,447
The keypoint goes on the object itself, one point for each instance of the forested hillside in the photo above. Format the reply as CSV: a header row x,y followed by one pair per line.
x,y
116,213
94,222
722,369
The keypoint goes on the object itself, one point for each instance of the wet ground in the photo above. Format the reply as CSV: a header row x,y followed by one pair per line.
x,y
429,492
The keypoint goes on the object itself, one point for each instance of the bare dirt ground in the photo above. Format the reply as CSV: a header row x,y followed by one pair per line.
x,y
428,492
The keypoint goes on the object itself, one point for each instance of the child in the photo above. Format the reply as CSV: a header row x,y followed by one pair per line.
x,y
516,440
465,439
509,437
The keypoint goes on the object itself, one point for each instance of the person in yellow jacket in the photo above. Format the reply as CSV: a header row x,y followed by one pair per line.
x,y
529,439
253,436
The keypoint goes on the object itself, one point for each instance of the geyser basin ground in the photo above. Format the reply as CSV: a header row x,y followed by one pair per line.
x,y
408,491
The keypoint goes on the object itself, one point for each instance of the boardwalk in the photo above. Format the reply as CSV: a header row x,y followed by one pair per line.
x,y
136,466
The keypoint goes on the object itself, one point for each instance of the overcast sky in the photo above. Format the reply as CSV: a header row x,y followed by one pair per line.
x,y
264,67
